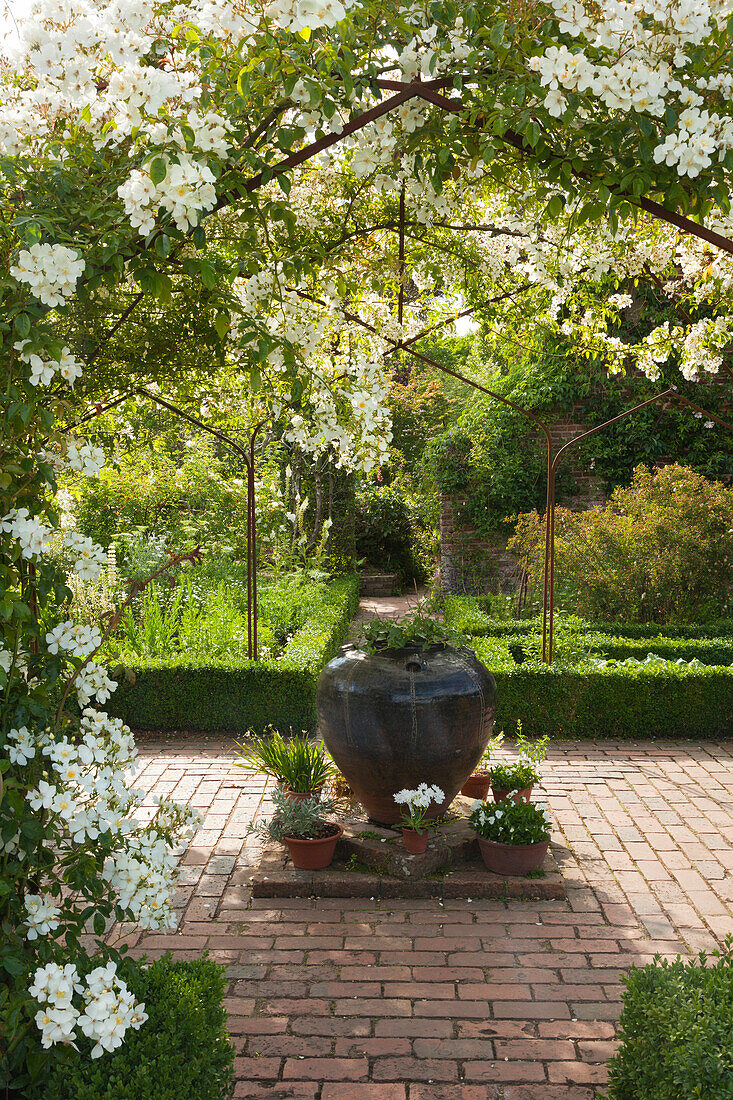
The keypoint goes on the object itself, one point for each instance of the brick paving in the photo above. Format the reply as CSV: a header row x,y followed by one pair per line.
x,y
336,999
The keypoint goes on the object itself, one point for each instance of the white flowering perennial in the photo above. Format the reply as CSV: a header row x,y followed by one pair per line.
x,y
305,15
85,458
91,558
21,747
421,797
417,803
43,916
35,538
100,1006
93,682
186,191
87,797
636,61
50,270
44,370
76,639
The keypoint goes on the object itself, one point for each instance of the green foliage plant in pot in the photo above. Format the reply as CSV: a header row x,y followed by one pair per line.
x,y
414,820
300,766
513,837
478,783
516,780
303,828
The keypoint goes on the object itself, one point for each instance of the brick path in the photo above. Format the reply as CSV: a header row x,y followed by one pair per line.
x,y
356,1000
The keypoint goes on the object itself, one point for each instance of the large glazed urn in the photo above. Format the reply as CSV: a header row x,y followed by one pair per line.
x,y
398,718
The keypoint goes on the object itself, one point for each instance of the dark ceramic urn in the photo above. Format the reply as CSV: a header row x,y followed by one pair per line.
x,y
399,718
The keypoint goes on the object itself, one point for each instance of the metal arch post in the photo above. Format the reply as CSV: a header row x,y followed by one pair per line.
x,y
252,547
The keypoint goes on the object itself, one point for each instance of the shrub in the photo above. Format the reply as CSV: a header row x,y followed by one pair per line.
x,y
676,1032
637,701
177,493
576,638
475,615
182,1051
390,533
237,695
658,551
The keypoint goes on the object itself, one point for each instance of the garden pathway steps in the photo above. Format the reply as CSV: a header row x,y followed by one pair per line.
x,y
338,999
385,607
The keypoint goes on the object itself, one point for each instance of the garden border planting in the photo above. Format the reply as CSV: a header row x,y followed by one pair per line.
x,y
676,1029
235,697
181,1052
583,698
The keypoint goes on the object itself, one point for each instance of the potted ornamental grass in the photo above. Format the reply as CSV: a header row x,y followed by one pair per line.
x,y
409,704
300,766
303,827
414,821
515,779
513,837
478,783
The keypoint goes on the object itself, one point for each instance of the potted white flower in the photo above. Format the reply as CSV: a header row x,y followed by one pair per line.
x,y
414,820
516,779
513,837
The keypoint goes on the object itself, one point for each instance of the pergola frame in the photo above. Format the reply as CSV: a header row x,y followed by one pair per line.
x,y
432,92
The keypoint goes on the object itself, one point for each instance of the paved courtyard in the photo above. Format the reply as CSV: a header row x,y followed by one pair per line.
x,y
335,999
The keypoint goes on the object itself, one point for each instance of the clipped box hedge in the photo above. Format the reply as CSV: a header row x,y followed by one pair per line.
x,y
469,613
181,1052
179,695
584,699
676,1032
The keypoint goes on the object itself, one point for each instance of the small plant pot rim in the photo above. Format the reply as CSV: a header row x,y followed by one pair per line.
x,y
476,786
512,859
301,796
314,854
501,794
415,842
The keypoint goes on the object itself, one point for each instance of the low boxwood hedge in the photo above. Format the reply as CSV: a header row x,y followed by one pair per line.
x,y
676,1032
471,614
235,697
181,1052
581,696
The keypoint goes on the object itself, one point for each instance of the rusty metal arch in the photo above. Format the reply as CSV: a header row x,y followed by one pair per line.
x,y
430,91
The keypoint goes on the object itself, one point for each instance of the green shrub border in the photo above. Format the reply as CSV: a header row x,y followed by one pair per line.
x,y
234,698
579,701
468,613
676,1032
181,1052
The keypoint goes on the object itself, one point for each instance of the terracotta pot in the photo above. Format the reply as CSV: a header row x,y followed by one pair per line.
x,y
500,795
314,855
512,859
301,796
415,843
477,786
401,717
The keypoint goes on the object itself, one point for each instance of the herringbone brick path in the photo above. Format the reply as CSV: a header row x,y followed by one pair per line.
x,y
416,1000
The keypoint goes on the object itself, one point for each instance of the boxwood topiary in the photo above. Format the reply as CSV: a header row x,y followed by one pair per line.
x,y
182,1051
676,1032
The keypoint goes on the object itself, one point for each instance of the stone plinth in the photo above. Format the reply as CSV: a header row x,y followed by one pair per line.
x,y
371,861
